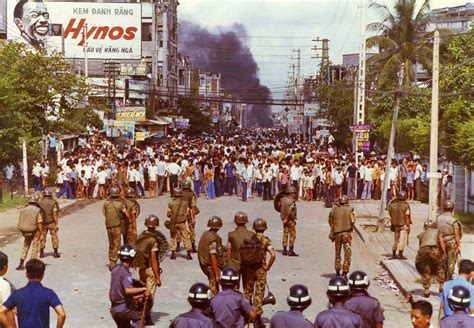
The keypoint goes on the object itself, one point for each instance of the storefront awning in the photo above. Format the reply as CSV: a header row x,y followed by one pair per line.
x,y
162,120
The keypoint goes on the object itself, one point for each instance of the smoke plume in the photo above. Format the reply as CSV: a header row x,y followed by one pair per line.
x,y
225,52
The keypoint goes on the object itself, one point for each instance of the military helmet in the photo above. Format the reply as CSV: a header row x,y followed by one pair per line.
x,y
241,218
430,224
152,221
33,199
214,222
358,280
402,195
114,192
177,192
459,298
186,184
338,289
298,297
199,295
127,252
448,205
291,190
167,224
343,200
47,193
130,193
260,225
229,277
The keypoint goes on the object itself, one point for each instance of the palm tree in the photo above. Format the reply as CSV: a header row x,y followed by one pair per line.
x,y
401,39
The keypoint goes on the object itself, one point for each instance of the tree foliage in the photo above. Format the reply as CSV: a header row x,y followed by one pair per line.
x,y
198,122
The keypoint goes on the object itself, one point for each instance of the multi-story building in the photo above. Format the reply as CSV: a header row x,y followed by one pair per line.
x,y
457,18
210,92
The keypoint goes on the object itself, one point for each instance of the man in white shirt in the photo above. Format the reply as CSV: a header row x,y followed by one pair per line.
x,y
274,170
367,191
174,170
153,176
161,166
250,178
5,287
418,172
295,175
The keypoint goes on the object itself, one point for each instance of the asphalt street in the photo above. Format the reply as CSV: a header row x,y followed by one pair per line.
x,y
81,276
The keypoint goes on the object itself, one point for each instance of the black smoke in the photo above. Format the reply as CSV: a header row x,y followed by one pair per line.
x,y
225,52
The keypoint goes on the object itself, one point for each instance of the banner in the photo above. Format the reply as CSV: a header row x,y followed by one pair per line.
x,y
362,136
131,114
114,129
181,123
311,109
104,30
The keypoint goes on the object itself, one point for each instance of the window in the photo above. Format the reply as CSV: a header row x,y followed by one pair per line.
x,y
146,32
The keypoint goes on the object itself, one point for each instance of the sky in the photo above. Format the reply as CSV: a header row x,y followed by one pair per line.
x,y
276,27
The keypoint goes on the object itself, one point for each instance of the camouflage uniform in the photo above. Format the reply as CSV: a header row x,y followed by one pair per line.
x,y
30,238
261,276
343,239
288,218
341,230
183,231
191,197
113,211
51,227
178,208
133,209
428,260
448,227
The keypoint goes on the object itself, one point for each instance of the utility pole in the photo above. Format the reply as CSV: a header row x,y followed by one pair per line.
x,y
433,174
84,48
297,93
391,149
324,78
360,110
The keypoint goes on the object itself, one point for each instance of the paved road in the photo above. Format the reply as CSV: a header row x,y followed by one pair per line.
x,y
81,276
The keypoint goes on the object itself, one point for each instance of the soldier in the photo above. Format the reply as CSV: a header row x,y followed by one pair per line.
x,y
151,247
177,212
30,225
451,231
298,299
459,299
428,259
400,218
362,303
189,195
288,218
114,210
129,227
338,316
50,209
341,220
260,282
211,259
199,297
229,306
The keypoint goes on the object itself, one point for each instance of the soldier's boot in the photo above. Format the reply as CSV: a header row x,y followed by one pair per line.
x,y
258,323
41,254
194,248
394,255
173,256
400,255
148,320
178,247
21,266
188,256
426,293
292,253
56,254
285,252
338,272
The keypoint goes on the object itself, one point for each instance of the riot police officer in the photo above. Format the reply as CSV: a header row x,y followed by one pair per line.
x,y
362,303
338,316
341,220
210,255
288,218
50,209
129,227
199,297
229,306
400,217
451,231
189,195
177,212
298,299
459,299
115,212
430,255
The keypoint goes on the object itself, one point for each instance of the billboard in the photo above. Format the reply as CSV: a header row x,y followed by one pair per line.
x,y
131,114
362,132
104,30
311,109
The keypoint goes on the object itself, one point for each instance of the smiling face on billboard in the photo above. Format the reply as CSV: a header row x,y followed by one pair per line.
x,y
32,19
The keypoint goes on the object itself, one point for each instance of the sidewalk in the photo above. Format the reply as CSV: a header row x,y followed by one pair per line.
x,y
403,272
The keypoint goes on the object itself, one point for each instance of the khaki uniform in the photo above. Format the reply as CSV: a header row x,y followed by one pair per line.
x,y
133,210
148,244
210,244
112,211
397,210
428,260
179,212
33,215
288,218
191,198
50,208
448,226
341,229
235,239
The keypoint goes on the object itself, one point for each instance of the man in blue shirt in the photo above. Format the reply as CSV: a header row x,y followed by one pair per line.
x,y
466,270
32,301
229,170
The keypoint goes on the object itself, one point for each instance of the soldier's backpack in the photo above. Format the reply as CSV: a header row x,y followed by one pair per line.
x,y
27,220
251,252
143,247
277,201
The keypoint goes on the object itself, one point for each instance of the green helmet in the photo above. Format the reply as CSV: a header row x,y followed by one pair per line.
x,y
343,200
114,192
130,193
402,195
260,225
186,184
177,192
449,205
152,221
430,224
47,193
33,199
241,218
291,190
214,222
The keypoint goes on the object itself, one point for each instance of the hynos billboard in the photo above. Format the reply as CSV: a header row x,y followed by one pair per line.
x,y
104,30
